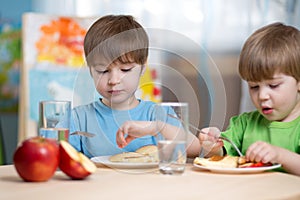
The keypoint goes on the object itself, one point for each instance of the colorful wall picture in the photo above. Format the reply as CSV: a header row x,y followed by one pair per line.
x,y
54,67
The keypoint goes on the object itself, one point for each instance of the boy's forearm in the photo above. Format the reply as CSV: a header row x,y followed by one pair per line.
x,y
170,132
193,145
290,161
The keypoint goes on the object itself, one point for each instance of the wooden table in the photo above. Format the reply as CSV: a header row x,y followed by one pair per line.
x,y
149,184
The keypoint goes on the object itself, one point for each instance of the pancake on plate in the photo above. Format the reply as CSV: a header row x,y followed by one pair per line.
x,y
144,154
149,150
218,161
227,162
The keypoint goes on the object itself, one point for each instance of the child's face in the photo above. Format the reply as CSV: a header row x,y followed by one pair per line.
x,y
277,99
117,83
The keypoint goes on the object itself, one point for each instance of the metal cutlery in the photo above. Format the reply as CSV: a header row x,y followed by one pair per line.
x,y
86,134
233,144
220,137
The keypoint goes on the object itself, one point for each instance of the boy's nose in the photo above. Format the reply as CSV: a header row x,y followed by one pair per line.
x,y
115,78
263,94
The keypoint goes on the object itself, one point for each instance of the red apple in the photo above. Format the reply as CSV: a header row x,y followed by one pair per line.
x,y
73,163
36,159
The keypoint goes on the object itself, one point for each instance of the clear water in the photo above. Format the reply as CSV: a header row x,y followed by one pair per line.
x,y
172,156
55,133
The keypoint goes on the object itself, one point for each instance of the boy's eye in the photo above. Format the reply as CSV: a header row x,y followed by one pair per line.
x,y
101,71
126,70
254,87
273,85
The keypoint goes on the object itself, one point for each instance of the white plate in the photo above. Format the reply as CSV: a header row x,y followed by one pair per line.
x,y
122,165
248,170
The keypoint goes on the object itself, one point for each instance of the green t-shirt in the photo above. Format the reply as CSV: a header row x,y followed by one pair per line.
x,y
248,128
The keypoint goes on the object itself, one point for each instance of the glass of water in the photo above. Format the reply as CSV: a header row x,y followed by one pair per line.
x,y
54,119
172,127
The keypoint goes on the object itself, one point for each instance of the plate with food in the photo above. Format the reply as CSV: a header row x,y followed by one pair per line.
x,y
232,165
144,157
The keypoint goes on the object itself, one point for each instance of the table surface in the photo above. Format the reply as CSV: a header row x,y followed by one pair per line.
x,y
107,183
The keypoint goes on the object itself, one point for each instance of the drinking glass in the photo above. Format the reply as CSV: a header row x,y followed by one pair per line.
x,y
54,119
172,127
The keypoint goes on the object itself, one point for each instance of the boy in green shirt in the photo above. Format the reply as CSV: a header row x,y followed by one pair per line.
x,y
270,63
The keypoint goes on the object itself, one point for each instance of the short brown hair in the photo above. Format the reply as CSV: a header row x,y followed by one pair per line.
x,y
116,38
274,48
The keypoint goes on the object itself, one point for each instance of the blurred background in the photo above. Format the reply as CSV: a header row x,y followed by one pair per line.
x,y
199,40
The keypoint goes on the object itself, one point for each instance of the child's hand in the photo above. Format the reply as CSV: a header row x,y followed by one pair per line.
x,y
131,130
263,152
209,141
210,133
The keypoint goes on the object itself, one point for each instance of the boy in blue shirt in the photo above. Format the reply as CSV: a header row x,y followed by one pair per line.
x,y
116,50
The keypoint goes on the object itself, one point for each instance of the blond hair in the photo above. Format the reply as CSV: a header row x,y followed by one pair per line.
x,y
274,48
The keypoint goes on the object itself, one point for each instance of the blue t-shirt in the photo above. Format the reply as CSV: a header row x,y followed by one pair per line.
x,y
103,121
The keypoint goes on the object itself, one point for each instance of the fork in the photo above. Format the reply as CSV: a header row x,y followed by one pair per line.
x,y
86,134
220,137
